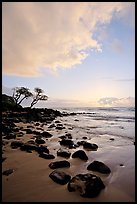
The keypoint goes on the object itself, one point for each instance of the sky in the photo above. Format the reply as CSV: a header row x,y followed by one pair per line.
x,y
79,53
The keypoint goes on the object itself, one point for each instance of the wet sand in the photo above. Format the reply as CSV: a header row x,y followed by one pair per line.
x,y
30,181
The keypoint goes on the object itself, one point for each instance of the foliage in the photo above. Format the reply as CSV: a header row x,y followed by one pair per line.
x,y
38,96
21,93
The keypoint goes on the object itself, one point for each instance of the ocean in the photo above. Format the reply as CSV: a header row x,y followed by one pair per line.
x,y
116,123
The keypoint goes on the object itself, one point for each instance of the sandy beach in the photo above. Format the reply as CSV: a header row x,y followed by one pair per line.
x,y
30,181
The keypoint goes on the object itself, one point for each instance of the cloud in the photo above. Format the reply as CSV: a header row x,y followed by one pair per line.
x,y
39,35
125,80
117,102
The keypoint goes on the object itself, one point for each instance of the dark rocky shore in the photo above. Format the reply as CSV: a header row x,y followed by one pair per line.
x,y
89,185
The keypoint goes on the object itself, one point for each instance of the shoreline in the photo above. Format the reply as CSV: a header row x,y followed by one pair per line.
x,y
30,181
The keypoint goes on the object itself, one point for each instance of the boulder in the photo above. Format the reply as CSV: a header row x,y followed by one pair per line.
x,y
59,164
42,149
16,144
46,156
60,177
80,154
46,134
90,146
99,167
39,141
89,185
63,153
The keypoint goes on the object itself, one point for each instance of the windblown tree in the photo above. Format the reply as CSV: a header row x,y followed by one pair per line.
x,y
21,93
38,96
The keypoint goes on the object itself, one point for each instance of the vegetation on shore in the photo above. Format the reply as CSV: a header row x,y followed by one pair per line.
x,y
19,95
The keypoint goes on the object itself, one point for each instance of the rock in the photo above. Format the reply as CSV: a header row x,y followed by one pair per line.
x,y
81,142
8,172
37,124
27,146
10,136
39,141
63,153
42,149
60,177
52,126
59,164
84,138
112,139
4,158
89,185
46,156
60,127
31,142
36,132
90,146
46,134
30,126
57,121
29,131
66,142
80,154
99,167
16,129
20,134
39,128
16,144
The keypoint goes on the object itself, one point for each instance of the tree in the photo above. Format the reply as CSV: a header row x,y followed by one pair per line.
x,y
21,93
38,96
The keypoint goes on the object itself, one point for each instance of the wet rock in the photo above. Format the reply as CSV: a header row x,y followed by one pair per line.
x,y
36,132
4,158
42,149
16,144
46,134
90,146
60,127
81,142
37,124
57,121
29,131
52,126
39,128
30,126
31,142
84,138
20,134
39,141
59,164
66,142
99,167
16,129
27,146
8,172
112,139
60,177
46,156
63,153
10,136
80,154
89,185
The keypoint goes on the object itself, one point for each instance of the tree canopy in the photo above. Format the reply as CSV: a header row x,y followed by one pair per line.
x,y
21,93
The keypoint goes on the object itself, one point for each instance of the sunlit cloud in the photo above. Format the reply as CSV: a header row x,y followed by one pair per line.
x,y
39,35
117,102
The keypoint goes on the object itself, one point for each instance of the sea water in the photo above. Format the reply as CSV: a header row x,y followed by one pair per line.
x,y
117,123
